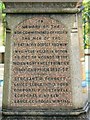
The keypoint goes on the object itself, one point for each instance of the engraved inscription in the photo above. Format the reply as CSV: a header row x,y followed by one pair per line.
x,y
40,64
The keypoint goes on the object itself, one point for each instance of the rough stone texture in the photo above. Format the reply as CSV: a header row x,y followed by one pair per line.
x,y
78,98
65,19
81,117
40,42
41,8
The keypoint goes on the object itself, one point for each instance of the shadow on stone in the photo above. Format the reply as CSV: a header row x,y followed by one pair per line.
x,y
80,117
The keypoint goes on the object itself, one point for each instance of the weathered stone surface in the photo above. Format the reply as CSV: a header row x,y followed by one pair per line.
x,y
43,69
40,64
41,7
81,117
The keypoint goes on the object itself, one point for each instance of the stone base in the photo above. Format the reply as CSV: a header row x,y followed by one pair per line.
x,y
82,114
80,117
45,112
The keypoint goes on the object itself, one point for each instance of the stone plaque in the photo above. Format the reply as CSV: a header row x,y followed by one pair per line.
x,y
40,64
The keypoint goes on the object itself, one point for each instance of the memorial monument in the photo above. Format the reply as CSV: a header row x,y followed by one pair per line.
x,y
43,71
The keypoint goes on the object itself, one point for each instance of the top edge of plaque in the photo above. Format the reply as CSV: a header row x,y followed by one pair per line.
x,y
41,0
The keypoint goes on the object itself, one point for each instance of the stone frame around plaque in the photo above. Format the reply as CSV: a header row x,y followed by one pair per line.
x,y
68,20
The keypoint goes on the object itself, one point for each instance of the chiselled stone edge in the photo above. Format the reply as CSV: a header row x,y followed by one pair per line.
x,y
42,10
47,112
